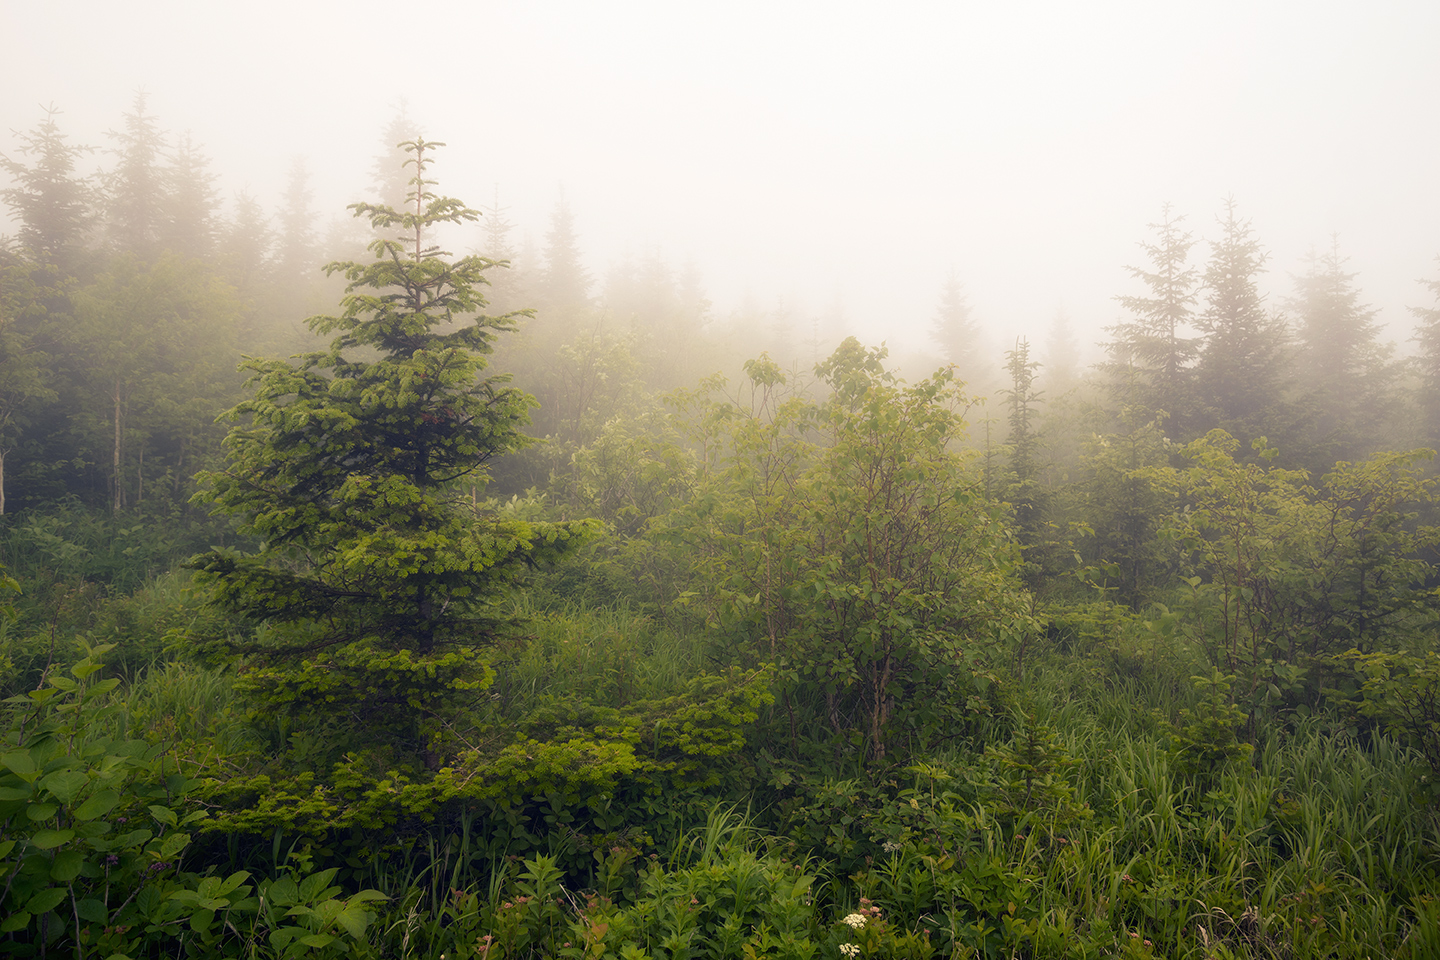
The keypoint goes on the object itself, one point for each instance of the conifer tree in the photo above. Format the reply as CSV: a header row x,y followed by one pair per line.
x,y
953,328
244,245
51,203
1241,373
392,185
1341,361
25,375
1151,357
378,580
295,253
565,283
1427,335
508,284
190,227
1022,397
136,188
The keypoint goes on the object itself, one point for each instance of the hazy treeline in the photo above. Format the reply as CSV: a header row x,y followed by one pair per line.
x,y
130,291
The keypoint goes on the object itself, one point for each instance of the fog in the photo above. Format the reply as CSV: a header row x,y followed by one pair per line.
x,y
839,159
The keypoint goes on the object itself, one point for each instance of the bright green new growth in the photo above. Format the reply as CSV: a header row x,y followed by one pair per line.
x,y
378,579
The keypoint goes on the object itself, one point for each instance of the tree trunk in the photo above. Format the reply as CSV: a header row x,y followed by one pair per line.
x,y
2,481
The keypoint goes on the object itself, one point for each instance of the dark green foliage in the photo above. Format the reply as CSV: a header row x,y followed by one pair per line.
x,y
94,831
1030,782
1024,491
1151,355
1402,691
1206,740
1241,374
26,377
377,581
846,543
1125,508
1288,575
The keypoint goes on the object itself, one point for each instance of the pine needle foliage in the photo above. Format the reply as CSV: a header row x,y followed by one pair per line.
x,y
378,579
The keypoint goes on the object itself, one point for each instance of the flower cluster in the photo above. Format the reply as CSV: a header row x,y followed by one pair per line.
x,y
855,920
850,949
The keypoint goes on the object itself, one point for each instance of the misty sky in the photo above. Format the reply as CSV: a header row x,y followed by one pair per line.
x,y
821,152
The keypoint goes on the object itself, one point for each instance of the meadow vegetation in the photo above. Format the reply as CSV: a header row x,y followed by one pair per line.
x,y
790,665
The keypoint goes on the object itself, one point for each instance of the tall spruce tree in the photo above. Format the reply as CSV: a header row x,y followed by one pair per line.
x,y
508,285
1151,355
1025,493
564,283
953,327
1341,361
377,578
296,250
50,201
1427,336
391,184
1241,375
136,189
191,200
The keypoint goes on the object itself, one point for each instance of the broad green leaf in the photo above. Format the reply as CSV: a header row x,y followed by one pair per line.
x,y
65,784
353,921
67,866
20,763
97,805
16,921
45,900
92,911
15,793
50,839
173,844
41,811
164,814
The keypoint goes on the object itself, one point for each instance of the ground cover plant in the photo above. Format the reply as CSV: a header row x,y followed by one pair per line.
x,y
769,667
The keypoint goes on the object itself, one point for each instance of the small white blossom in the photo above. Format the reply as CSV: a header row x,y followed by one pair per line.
x,y
850,949
856,920
892,846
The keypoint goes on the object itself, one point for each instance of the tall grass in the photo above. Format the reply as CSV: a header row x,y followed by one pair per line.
x,y
611,655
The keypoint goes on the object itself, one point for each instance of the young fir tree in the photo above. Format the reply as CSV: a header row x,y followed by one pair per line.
x,y
136,189
954,329
1241,373
1026,494
190,223
1427,335
1342,363
1151,357
378,581
48,200
564,283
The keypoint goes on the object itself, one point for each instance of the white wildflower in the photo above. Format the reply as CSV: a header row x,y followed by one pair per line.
x,y
855,920
850,949
892,846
